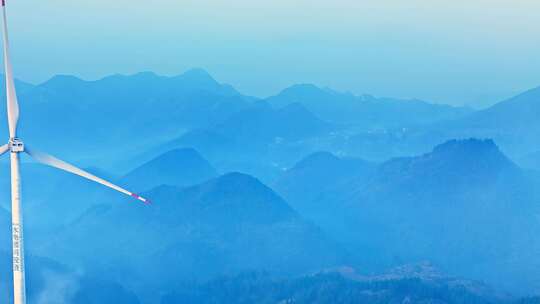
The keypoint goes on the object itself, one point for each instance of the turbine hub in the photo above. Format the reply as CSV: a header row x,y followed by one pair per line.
x,y
16,145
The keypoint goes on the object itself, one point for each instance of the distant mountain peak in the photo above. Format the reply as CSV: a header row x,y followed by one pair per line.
x,y
317,158
514,120
235,183
179,167
471,147
531,96
200,80
63,80
146,74
197,72
243,195
65,77
462,162
198,75
366,111
179,154
305,89
184,155
236,178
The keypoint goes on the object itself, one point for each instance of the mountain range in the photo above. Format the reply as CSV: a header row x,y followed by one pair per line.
x,y
295,184
366,111
375,216
193,110
156,110
511,123
447,206
228,224
85,114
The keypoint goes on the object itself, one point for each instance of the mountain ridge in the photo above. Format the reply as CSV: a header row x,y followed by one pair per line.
x,y
178,167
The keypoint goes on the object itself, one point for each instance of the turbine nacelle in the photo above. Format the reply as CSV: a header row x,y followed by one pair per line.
x,y
16,145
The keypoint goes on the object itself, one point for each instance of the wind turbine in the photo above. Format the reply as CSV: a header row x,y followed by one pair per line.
x,y
15,146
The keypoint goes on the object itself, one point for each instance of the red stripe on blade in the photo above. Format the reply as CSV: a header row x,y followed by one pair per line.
x,y
141,198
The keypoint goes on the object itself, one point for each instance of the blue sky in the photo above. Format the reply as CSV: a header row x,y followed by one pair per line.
x,y
476,51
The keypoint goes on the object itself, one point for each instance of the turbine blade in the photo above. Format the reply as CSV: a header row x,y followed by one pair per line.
x,y
4,149
62,165
11,94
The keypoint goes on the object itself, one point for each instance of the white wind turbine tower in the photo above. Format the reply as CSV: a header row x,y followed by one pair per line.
x,y
15,146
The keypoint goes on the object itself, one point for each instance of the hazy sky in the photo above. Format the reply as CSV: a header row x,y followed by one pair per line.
x,y
454,51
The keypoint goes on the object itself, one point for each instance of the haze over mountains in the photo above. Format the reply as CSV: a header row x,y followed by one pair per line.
x,y
180,167
365,111
160,109
301,185
150,106
226,225
317,174
513,122
448,207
